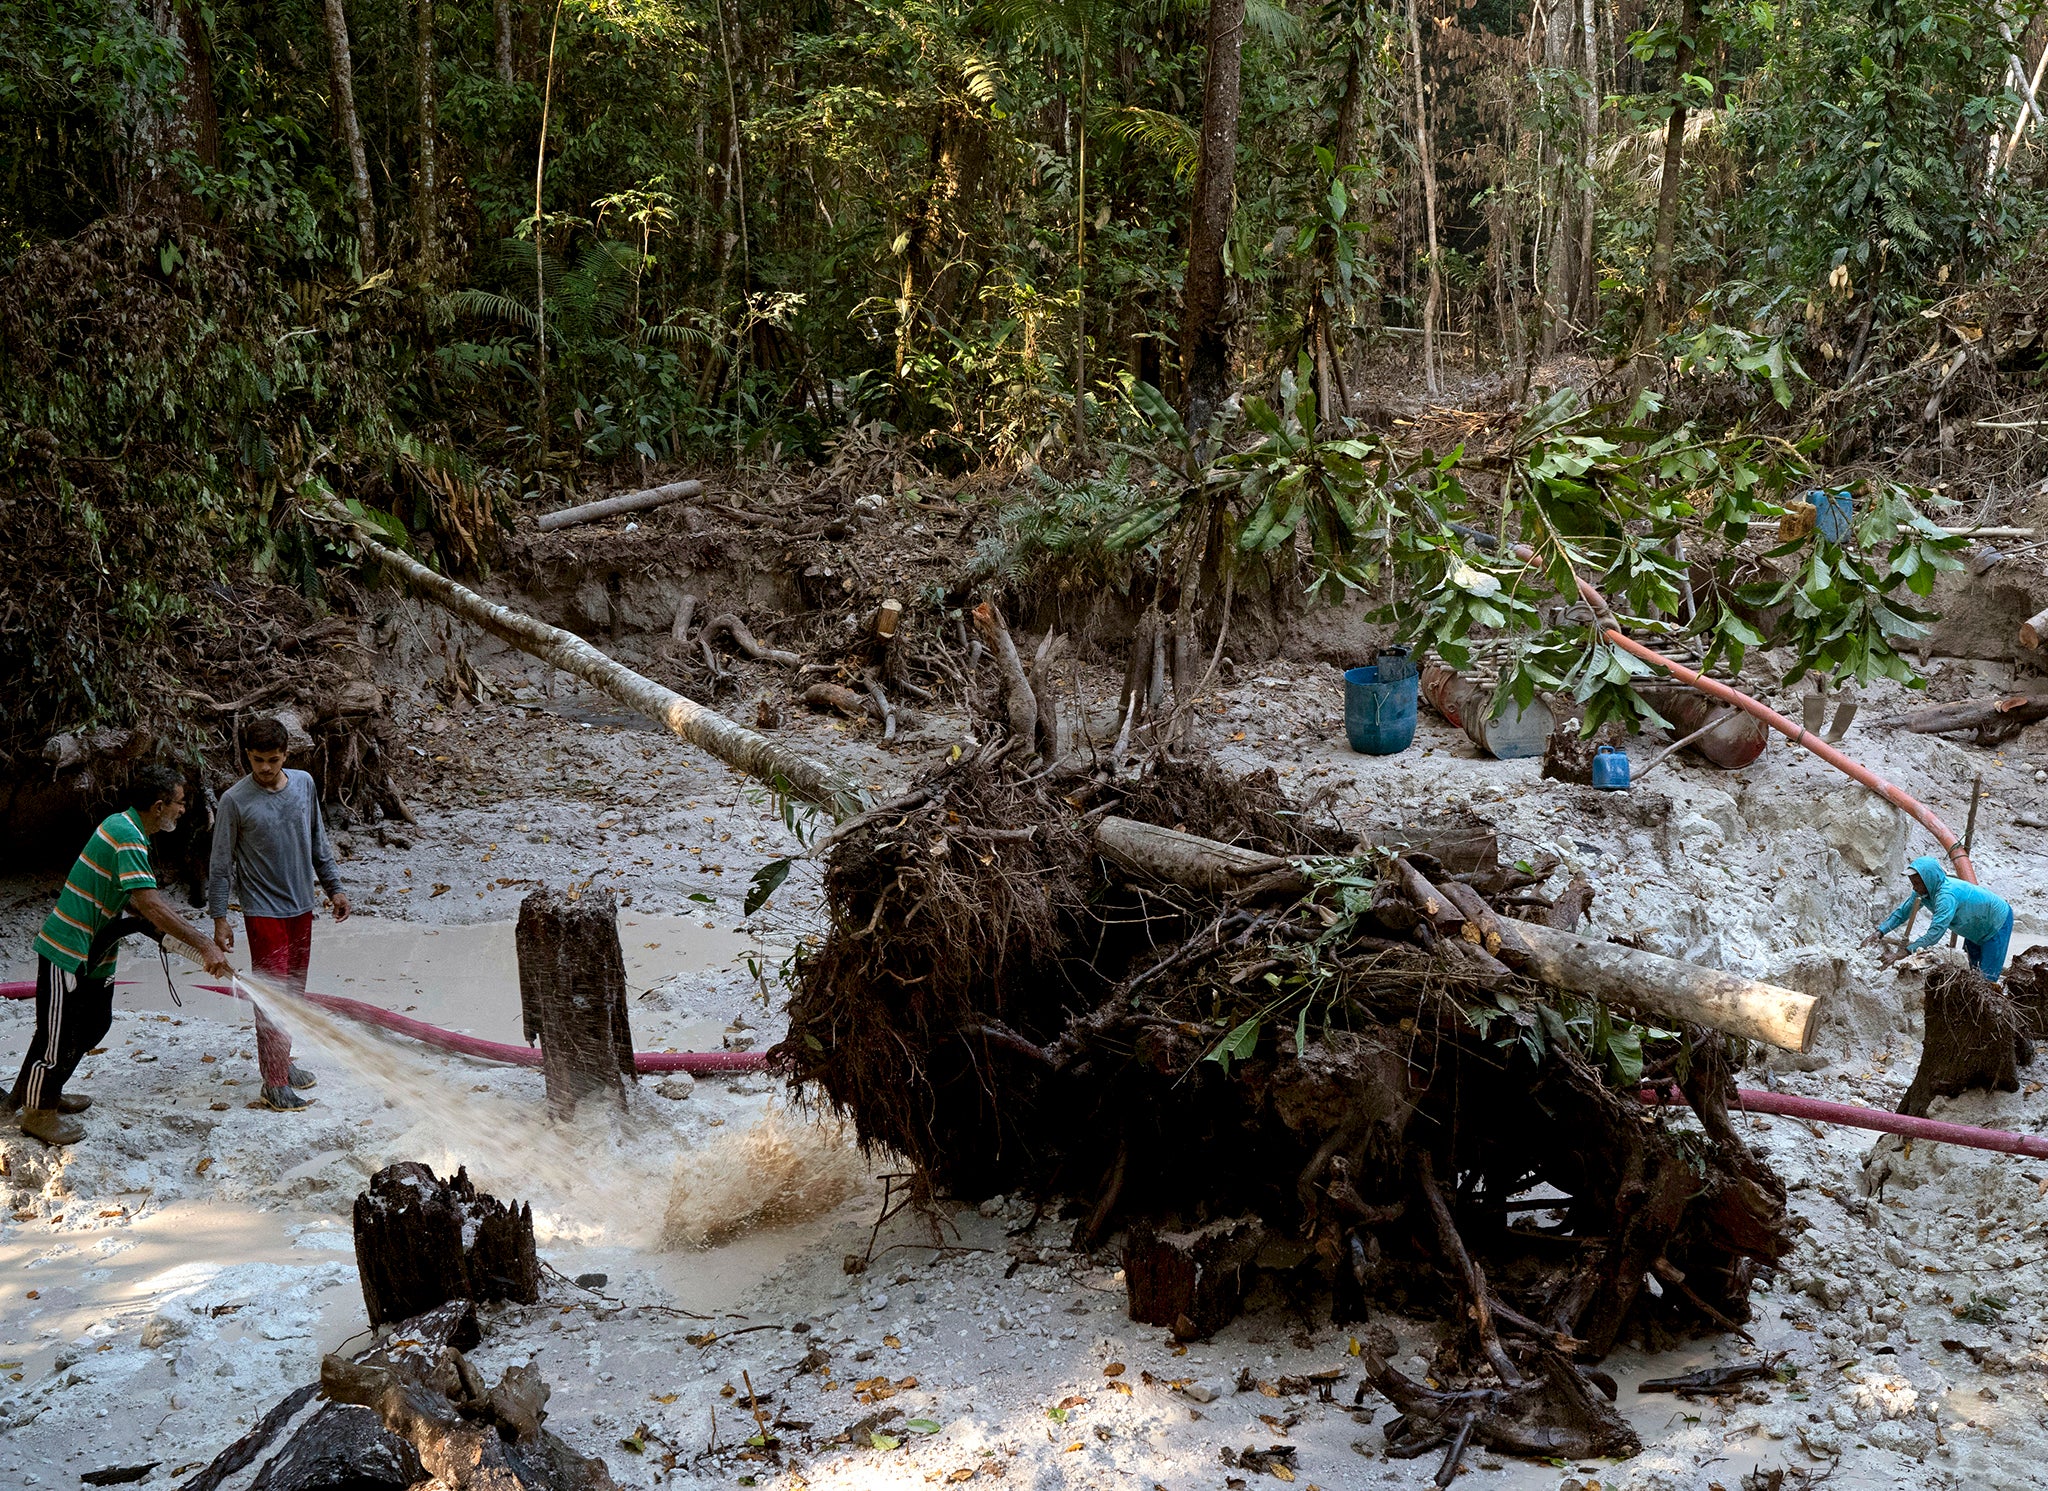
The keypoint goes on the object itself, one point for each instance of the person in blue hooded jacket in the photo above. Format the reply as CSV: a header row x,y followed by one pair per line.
x,y
1981,919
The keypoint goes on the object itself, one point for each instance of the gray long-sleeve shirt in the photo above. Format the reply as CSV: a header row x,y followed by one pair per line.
x,y
271,845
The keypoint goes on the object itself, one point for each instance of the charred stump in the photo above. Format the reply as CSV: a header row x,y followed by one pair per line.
x,y
1192,1282
1974,1036
572,995
407,1410
422,1241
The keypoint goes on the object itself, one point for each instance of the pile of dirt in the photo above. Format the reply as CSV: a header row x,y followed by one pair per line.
x,y
1326,1054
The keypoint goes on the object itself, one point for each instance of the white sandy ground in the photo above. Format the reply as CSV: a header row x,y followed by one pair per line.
x,y
167,1280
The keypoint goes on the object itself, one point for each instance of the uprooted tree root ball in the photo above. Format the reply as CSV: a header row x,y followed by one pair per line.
x,y
1331,1056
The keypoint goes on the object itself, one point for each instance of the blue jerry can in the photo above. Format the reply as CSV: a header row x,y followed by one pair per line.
x,y
1610,769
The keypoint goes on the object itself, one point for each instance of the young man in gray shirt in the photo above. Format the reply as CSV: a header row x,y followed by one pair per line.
x,y
269,845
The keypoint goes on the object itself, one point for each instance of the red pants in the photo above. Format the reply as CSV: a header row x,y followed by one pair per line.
x,y
282,948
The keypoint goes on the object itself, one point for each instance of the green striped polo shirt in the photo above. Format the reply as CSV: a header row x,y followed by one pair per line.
x,y
113,864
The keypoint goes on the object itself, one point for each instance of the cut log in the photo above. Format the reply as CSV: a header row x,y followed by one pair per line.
x,y
742,749
1481,925
1652,983
1193,1283
1607,971
1461,846
422,1242
625,502
1433,903
2006,713
2033,629
572,995
1186,859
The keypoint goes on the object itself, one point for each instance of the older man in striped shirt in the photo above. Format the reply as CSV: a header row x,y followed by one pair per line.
x,y
79,946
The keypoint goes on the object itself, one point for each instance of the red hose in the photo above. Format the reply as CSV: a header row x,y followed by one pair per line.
x,y
1751,1100
1855,770
1748,1099
696,1063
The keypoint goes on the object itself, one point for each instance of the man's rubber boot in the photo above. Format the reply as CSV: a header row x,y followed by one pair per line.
x,y
73,1102
283,1099
303,1078
52,1127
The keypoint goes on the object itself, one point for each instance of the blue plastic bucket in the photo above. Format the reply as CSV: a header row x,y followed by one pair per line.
x,y
1379,715
1610,769
1833,512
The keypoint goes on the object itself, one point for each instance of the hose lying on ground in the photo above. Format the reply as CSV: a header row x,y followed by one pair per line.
x,y
1819,1110
696,1063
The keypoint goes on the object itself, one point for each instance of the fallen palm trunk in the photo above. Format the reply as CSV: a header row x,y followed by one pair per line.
x,y
1607,971
742,749
625,502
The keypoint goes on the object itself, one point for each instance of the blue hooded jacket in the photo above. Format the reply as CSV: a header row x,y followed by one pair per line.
x,y
1969,910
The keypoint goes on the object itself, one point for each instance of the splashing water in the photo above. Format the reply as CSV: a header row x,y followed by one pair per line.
x,y
608,1176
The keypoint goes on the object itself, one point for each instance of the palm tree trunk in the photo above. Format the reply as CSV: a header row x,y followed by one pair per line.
x,y
1436,282
1205,350
351,132
427,207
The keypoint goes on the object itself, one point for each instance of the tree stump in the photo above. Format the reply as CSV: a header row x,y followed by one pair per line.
x,y
1973,1036
1192,1282
572,995
422,1241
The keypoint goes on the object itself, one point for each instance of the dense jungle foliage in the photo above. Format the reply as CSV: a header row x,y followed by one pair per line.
x,y
443,259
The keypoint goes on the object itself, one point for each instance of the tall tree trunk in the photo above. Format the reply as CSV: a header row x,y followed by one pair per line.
x,y
501,11
202,116
738,195
1080,254
540,279
1351,110
1436,281
1205,350
1585,306
351,132
1657,294
427,202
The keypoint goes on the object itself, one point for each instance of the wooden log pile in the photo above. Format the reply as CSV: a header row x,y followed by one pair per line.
x,y
1204,1019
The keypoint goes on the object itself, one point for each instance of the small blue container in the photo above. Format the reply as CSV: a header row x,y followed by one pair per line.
x,y
1379,714
1833,512
1394,664
1610,769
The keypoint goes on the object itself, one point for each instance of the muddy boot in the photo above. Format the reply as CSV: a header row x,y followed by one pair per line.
x,y
283,1099
52,1127
300,1077
73,1102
